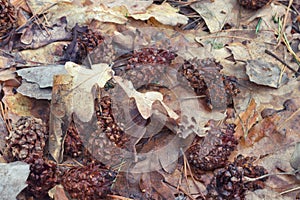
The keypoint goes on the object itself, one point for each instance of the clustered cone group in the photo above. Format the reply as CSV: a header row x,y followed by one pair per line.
x,y
90,182
213,151
28,136
107,122
26,142
84,41
229,183
196,70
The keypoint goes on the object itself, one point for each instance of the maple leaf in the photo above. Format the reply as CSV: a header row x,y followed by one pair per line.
x,y
145,100
82,100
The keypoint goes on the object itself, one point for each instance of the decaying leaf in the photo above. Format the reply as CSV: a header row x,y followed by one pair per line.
x,y
145,100
37,81
83,81
152,183
42,75
13,179
163,13
19,105
60,115
41,55
33,90
34,37
265,73
246,120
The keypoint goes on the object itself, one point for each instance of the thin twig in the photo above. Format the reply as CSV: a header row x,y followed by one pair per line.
x,y
280,60
118,197
181,189
290,190
189,168
221,36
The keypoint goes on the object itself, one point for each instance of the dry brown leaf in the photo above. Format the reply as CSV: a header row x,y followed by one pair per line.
x,y
49,54
133,6
60,115
246,120
58,193
84,79
163,13
265,73
217,13
19,105
145,100
6,75
152,183
6,62
81,15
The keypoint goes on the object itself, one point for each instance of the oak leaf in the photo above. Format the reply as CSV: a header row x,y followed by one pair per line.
x,y
145,100
82,100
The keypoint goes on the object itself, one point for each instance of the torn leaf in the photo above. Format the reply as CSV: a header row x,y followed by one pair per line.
x,y
13,179
265,73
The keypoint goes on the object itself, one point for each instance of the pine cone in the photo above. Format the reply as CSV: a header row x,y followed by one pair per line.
x,y
107,122
7,17
43,176
28,136
253,4
205,78
228,182
73,145
144,66
84,42
213,151
88,183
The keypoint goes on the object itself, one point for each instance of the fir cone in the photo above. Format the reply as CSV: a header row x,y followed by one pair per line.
x,y
7,17
88,183
84,41
144,66
205,78
213,151
28,136
228,182
253,4
43,176
73,145
108,124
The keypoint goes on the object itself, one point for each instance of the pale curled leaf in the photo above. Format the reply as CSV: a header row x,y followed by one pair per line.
x,y
13,179
144,101
133,6
295,159
78,14
163,13
83,81
7,75
217,13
